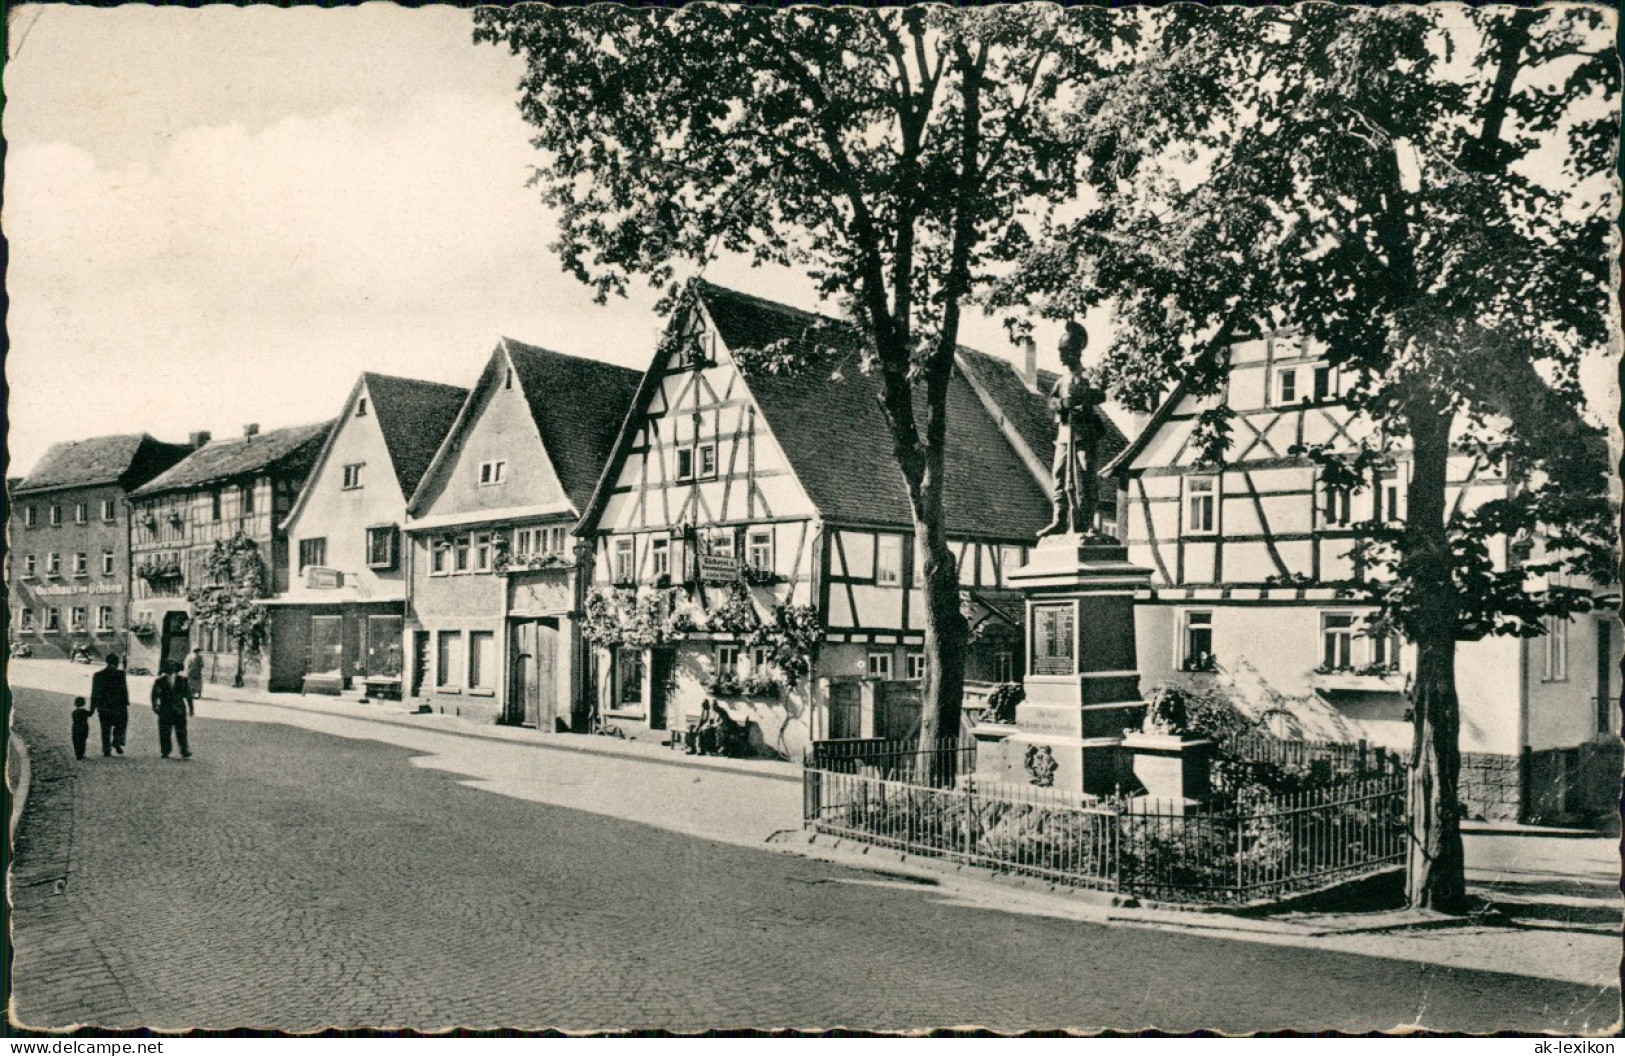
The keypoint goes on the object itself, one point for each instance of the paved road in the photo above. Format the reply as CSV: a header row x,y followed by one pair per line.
x,y
290,879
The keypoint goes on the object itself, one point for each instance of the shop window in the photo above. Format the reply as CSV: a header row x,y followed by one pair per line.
x,y
312,553
1337,641
448,659
482,660
889,560
1053,640
382,546
1197,642
326,646
384,646
880,664
1201,505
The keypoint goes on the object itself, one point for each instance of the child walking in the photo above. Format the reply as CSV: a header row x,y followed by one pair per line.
x,y
81,727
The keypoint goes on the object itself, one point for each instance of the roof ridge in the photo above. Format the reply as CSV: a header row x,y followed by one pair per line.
x,y
410,381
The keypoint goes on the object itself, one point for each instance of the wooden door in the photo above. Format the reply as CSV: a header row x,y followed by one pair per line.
x,y
420,660
661,662
543,705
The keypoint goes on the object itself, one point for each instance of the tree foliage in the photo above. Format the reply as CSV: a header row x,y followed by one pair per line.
x,y
235,579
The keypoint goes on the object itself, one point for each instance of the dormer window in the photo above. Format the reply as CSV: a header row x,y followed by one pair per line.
x,y
494,472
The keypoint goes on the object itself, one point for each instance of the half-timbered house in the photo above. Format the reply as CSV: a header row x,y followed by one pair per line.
x,y
748,488
1245,557
493,603
339,625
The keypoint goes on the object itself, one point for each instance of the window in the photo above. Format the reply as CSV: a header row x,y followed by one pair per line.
x,y
81,564
1557,650
361,407
760,549
384,646
352,475
1385,651
1053,640
1387,508
56,516
880,665
1337,641
660,557
53,619
685,463
1197,642
26,619
482,551
448,658
104,617
459,554
439,557
555,537
109,510
706,456
493,472
760,659
76,618
889,559
245,499
312,553
1201,505
1335,507
1287,386
1323,384
628,689
916,666
107,562
29,563
623,561
727,661
382,546
507,379
53,564
30,516
482,660
81,512
1004,667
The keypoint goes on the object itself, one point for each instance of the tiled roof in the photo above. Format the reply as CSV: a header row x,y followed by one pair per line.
x,y
221,460
578,405
82,463
414,417
1028,411
838,442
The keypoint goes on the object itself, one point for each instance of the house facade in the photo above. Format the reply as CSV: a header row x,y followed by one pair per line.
x,y
340,625
494,590
245,485
68,556
737,493
1243,559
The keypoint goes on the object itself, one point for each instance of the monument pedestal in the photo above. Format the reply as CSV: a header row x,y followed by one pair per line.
x,y
1170,766
1083,681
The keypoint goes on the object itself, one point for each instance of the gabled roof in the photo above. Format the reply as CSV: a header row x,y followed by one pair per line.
x,y
85,463
1124,458
292,450
578,406
414,417
837,441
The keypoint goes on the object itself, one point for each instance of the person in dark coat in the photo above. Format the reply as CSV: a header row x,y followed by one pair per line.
x,y
171,699
81,727
194,676
110,703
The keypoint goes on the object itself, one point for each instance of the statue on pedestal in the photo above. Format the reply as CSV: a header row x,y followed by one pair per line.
x,y
1076,400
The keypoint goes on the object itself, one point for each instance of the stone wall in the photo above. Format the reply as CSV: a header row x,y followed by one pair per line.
x,y
1491,786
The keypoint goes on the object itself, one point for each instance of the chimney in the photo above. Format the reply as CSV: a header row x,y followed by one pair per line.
x,y
252,429
1028,367
198,439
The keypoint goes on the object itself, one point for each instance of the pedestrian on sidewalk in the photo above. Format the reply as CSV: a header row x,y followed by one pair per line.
x,y
81,727
110,703
171,699
194,678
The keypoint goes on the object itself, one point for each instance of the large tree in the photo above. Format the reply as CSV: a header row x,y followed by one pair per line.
x,y
1426,192
892,154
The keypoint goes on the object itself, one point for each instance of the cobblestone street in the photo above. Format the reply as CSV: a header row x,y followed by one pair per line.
x,y
290,879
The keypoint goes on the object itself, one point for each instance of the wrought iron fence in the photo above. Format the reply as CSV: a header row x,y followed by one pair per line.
x,y
1358,759
1263,848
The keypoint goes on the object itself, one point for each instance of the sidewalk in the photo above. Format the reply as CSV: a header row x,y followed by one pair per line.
x,y
1559,894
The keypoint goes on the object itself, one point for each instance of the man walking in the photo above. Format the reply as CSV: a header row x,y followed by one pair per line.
x,y
171,699
194,674
110,703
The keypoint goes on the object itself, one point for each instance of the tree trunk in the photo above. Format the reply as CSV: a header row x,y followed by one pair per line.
x,y
1435,866
946,635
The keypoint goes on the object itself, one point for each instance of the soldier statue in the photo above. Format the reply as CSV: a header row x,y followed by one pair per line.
x,y
1075,400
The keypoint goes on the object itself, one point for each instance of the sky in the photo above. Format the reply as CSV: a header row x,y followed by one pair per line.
x,y
222,216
